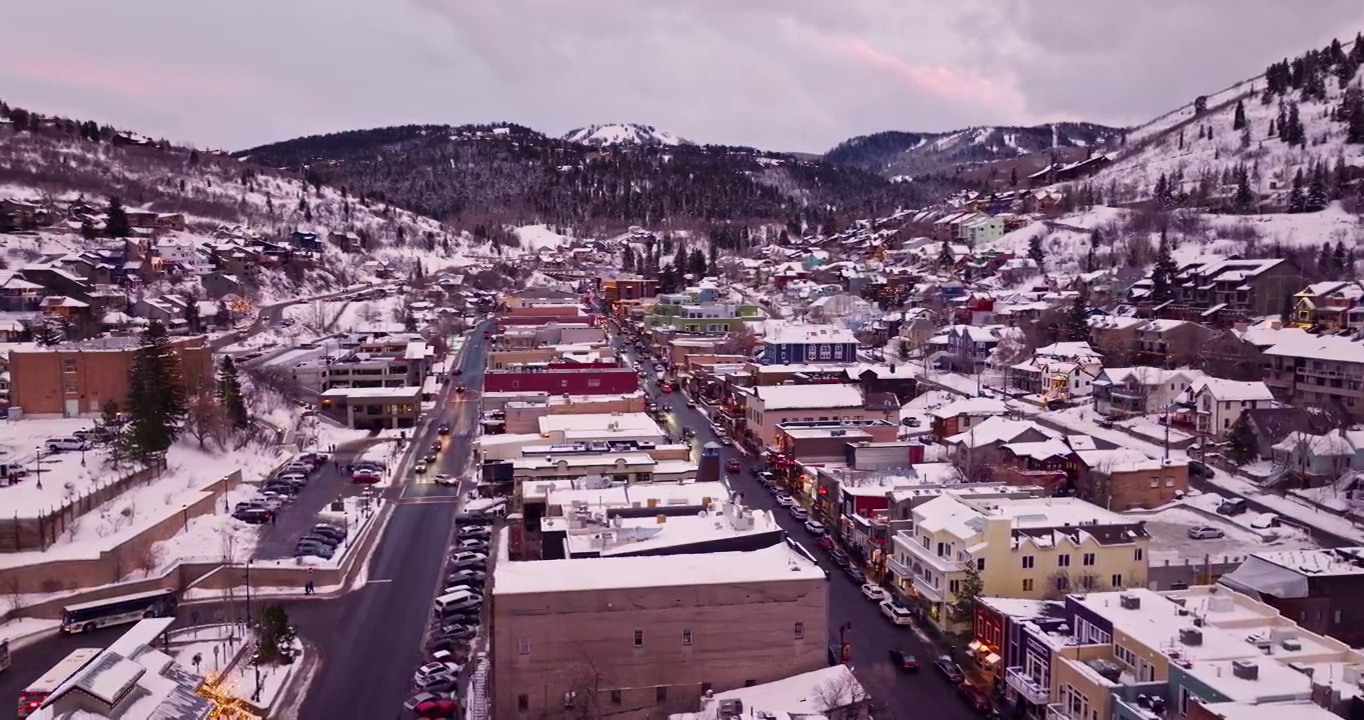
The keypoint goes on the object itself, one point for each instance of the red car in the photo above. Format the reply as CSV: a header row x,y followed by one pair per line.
x,y
732,466
442,708
826,542
368,477
665,387
487,335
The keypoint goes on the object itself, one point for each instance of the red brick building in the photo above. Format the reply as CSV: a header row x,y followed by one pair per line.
x,y
564,379
75,379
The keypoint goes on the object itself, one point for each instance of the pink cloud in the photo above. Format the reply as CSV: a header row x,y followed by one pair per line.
x,y
135,81
936,80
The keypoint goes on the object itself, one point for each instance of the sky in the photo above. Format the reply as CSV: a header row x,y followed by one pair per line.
x,y
790,75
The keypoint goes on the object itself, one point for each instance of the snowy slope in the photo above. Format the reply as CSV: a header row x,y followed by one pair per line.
x,y
623,134
1201,148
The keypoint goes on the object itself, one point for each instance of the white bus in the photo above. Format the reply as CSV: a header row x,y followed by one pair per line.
x,y
33,696
117,610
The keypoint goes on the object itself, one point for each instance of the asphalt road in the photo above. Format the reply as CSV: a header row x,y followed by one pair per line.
x,y
369,639
871,635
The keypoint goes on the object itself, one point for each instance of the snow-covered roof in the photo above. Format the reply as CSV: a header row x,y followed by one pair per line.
x,y
1118,460
800,397
1320,347
971,406
779,563
1225,390
617,422
996,430
808,695
787,333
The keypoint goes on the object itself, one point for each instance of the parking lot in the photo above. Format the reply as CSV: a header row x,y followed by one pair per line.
x,y
296,518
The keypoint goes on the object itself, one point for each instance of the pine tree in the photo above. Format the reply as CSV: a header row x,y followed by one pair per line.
x,y
223,316
1324,261
49,329
1338,259
157,403
1238,120
1244,197
696,263
1077,322
230,393
1317,196
968,592
88,230
1241,439
1013,177
1035,252
1295,134
116,219
1296,202
192,319
945,259
1163,274
627,259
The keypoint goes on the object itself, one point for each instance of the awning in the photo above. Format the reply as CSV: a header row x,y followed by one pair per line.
x,y
1256,576
991,659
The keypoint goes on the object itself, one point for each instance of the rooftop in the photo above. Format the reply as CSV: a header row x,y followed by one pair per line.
x,y
779,563
808,695
801,397
793,333
599,422
567,493
409,392
589,532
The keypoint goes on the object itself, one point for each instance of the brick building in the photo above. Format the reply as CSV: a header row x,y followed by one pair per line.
x,y
568,379
75,379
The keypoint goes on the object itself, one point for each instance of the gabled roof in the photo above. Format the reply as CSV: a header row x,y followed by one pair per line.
x,y
1224,390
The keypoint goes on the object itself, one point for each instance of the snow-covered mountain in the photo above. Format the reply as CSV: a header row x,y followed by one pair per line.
x,y
1200,148
895,153
623,134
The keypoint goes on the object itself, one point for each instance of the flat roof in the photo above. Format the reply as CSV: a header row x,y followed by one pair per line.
x,y
779,563
599,422
568,492
406,392
607,459
633,536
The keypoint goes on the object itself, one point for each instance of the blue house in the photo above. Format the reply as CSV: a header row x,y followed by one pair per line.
x,y
802,344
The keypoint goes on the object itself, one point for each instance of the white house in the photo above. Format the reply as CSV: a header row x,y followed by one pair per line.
x,y
1218,403
1140,390
186,254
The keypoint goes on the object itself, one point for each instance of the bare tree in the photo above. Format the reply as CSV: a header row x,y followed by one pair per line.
x,y
842,698
740,342
369,313
14,593
319,316
148,560
584,699
207,420
976,464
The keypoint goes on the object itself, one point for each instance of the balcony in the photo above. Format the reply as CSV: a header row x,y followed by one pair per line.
x,y
897,568
922,587
927,557
1022,683
1056,711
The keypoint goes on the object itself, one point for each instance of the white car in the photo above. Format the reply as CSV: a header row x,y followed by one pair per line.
x,y
874,592
786,501
444,479
799,512
1205,533
897,613
815,527
59,444
435,669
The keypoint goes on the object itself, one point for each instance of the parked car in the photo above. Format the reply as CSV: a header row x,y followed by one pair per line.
x,y
814,527
799,512
1232,506
785,500
466,559
896,613
839,557
733,466
467,575
855,574
904,660
444,707
420,698
1204,532
976,698
435,668
949,669
254,515
872,591
326,552
1200,470
62,444
825,542
474,532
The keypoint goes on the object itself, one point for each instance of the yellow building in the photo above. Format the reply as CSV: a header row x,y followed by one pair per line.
x,y
1020,548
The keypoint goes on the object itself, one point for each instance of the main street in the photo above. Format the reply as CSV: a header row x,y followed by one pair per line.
x,y
871,635
369,639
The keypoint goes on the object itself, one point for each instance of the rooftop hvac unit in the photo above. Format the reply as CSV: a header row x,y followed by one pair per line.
x,y
1245,669
1291,644
1129,601
1191,636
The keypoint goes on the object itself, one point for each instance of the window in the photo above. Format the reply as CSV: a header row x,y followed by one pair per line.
x,y
660,694
750,683
1063,560
523,646
1087,581
69,365
1126,655
615,697
1116,580
70,388
639,638
799,631
686,637
593,382
1062,583
926,542
953,586
523,702
1027,585
1088,559
1138,554
1028,562
980,564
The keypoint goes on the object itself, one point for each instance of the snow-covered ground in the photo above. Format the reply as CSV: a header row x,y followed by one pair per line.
x,y
241,680
355,517
188,471
213,645
20,628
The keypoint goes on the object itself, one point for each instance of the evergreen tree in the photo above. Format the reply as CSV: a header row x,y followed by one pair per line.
x,y
713,261
274,636
1238,120
681,260
1163,274
1295,134
192,319
1317,196
1035,252
696,264
230,393
157,403
968,592
945,259
1324,261
1296,202
224,316
49,329
1013,177
1338,259
116,219
88,230
1286,310
1241,439
1077,322
1244,197
627,259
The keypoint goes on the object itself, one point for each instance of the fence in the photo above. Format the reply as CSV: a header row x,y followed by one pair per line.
x,y
22,534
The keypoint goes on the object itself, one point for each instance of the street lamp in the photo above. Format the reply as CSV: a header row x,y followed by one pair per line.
x,y
38,465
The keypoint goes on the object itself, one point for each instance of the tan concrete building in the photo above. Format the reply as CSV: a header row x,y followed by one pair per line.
x,y
587,352
524,416
75,379
774,405
637,637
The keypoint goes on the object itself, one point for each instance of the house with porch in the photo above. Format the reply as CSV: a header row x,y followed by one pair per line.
x,y
1217,403
1140,390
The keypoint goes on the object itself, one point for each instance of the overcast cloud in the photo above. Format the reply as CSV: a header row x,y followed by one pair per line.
x,y
779,74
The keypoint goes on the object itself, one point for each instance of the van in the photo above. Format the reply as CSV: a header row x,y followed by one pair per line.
x,y
59,444
458,601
